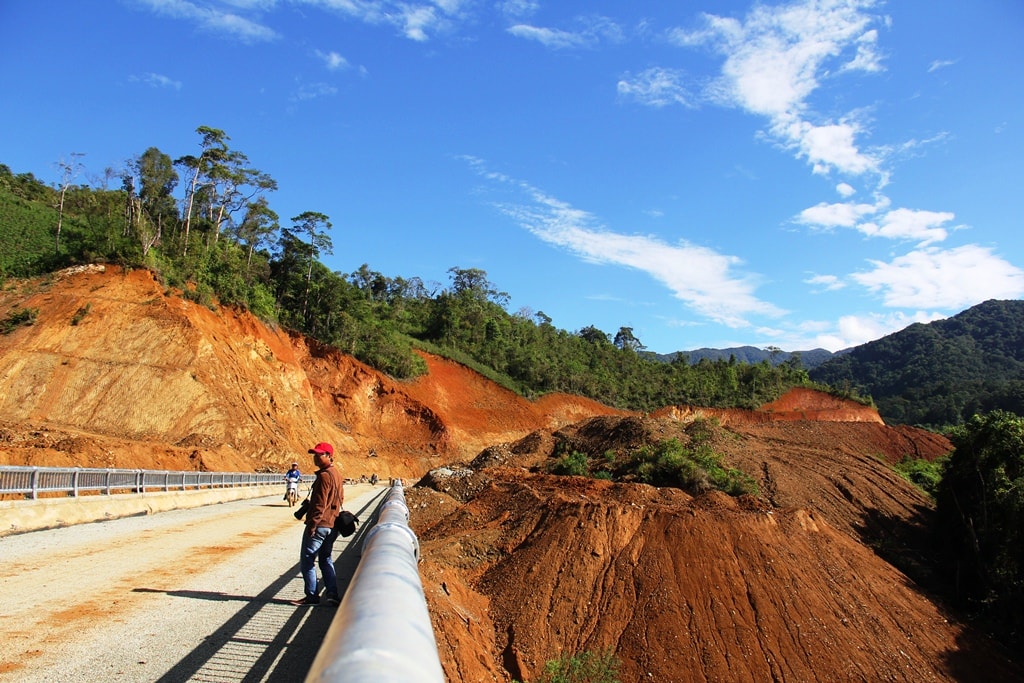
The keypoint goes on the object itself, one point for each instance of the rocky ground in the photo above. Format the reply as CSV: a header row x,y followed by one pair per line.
x,y
797,583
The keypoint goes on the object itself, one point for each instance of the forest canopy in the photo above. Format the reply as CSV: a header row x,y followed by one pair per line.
x,y
204,222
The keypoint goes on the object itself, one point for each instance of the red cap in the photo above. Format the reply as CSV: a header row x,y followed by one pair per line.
x,y
323,447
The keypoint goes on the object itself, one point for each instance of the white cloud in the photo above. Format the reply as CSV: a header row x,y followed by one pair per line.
x,y
656,87
774,60
841,215
867,58
213,19
332,60
924,227
845,190
943,279
854,330
825,282
828,146
911,224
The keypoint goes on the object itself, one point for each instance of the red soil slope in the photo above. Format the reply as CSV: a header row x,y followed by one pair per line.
x,y
117,371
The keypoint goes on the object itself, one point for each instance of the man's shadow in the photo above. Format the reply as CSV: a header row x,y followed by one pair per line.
x,y
268,638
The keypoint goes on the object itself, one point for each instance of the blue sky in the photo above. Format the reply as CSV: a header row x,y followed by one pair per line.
x,y
709,173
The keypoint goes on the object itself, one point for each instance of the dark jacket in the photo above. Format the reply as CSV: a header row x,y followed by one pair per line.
x,y
326,498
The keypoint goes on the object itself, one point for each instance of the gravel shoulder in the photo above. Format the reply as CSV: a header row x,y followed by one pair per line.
x,y
199,594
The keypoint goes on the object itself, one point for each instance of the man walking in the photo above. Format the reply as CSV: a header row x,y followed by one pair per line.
x,y
325,501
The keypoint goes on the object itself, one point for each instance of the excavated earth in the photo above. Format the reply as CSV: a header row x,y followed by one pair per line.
x,y
820,576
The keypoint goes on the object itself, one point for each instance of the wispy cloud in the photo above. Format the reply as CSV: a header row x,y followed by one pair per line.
x,y
550,37
518,8
706,281
415,20
213,17
940,64
311,91
157,81
590,32
656,87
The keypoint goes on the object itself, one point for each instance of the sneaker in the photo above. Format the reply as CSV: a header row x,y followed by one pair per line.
x,y
333,600
308,600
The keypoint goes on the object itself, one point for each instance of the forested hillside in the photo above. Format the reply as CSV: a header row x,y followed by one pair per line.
x,y
204,223
940,373
752,354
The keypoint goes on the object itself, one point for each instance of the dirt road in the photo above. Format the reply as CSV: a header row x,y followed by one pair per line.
x,y
187,595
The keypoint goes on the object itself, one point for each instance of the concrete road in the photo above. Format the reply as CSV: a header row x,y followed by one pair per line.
x,y
187,595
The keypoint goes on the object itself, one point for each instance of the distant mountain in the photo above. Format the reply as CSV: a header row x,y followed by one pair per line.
x,y
753,355
943,372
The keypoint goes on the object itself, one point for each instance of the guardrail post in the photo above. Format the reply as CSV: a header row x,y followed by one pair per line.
x,y
35,483
382,631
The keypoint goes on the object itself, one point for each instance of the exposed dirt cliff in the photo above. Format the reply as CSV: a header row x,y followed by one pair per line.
x,y
117,371
519,566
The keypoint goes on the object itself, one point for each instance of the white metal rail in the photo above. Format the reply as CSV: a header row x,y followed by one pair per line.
x,y
382,631
31,481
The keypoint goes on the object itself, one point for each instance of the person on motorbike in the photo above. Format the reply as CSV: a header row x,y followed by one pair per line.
x,y
292,478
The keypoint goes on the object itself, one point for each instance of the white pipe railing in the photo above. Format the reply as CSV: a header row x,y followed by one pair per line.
x,y
382,631
30,481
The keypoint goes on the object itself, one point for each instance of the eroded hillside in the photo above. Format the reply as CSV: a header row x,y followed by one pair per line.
x,y
116,371
797,583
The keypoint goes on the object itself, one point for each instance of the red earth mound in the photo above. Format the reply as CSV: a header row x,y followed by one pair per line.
x,y
522,567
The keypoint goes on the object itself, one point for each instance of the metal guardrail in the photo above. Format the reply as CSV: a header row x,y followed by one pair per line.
x,y
382,631
31,481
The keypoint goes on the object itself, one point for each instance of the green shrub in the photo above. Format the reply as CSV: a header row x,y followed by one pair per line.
x,y
586,667
575,464
18,317
698,469
922,473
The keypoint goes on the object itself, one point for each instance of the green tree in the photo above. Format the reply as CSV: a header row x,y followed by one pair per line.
x,y
214,149
980,509
256,229
625,340
152,204
316,225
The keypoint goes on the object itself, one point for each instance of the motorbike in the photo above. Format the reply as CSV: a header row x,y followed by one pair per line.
x,y
292,493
